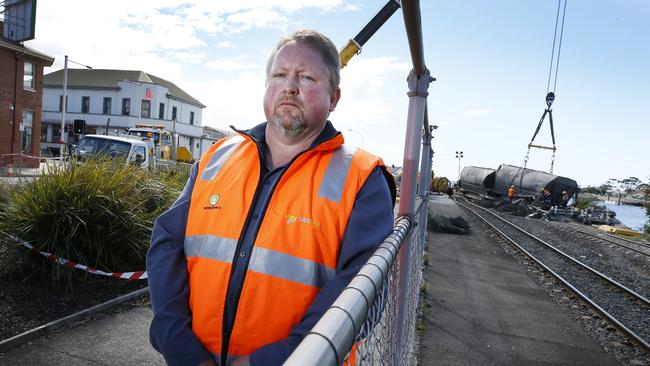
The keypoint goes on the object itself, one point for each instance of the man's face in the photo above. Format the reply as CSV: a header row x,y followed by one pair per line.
x,y
298,96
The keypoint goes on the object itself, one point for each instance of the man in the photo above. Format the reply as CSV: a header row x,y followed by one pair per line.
x,y
546,197
271,225
511,193
565,199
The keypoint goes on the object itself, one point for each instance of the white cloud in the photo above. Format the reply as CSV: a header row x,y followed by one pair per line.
x,y
259,18
231,64
190,57
472,113
225,44
103,32
236,100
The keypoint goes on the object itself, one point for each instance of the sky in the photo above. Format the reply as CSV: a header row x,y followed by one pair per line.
x,y
490,58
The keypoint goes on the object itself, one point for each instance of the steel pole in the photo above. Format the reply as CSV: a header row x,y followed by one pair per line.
x,y
174,143
64,104
418,92
425,182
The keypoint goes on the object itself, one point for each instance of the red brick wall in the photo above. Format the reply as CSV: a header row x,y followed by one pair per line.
x,y
22,100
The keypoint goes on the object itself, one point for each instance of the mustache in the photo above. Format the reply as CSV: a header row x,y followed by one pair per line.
x,y
289,100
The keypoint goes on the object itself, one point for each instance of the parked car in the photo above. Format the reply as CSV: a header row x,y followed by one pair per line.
x,y
131,149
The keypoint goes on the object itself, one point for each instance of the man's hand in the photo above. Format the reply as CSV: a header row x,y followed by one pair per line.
x,y
242,361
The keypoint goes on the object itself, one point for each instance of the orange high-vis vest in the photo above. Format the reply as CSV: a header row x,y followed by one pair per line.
x,y
295,250
511,192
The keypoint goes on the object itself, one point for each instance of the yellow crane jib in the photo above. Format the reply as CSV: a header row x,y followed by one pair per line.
x,y
351,48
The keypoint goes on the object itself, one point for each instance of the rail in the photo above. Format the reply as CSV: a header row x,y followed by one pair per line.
x,y
633,302
614,242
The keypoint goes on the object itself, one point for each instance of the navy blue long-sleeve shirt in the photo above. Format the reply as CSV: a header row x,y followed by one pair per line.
x,y
370,222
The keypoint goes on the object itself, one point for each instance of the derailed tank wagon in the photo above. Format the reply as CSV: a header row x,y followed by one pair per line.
x,y
527,182
477,180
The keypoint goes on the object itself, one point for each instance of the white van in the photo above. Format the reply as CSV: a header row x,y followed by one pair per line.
x,y
133,150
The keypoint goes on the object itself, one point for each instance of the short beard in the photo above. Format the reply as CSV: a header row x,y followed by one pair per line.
x,y
292,126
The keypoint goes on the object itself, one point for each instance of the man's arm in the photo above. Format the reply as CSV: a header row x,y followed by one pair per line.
x,y
171,328
370,222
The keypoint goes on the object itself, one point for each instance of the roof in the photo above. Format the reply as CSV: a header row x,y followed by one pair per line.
x,y
108,79
49,60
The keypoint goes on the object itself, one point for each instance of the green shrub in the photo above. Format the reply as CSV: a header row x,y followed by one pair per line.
x,y
4,196
98,213
583,203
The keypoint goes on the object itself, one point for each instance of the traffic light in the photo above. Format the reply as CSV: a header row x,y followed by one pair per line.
x,y
79,126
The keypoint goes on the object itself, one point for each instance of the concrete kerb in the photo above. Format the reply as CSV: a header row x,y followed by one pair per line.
x,y
23,338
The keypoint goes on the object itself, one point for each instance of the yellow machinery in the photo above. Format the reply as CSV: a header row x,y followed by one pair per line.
x,y
619,230
440,184
162,140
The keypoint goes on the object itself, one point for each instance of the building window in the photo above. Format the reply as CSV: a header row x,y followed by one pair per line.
x,y
126,106
146,109
26,127
173,113
85,104
61,103
161,111
107,105
28,76
191,118
44,132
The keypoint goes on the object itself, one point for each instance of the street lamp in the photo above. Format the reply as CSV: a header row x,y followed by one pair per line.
x,y
360,134
459,155
64,102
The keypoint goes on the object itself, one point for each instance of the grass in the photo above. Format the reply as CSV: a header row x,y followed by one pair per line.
x,y
583,203
4,196
98,213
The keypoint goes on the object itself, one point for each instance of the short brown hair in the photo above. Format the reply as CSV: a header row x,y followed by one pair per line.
x,y
317,42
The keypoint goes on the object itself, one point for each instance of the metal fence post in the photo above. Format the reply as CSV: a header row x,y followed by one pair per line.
x,y
418,91
425,181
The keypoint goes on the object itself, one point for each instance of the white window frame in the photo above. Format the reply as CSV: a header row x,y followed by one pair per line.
x,y
31,75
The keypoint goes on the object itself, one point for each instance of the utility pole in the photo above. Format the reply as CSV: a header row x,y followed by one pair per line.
x,y
64,102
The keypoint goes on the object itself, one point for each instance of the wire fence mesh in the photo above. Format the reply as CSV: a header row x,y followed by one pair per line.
x,y
387,335
383,340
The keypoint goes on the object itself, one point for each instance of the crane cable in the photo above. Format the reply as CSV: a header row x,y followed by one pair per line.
x,y
550,95
557,61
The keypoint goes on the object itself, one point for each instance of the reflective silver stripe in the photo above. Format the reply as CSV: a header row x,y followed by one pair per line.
x,y
220,157
209,246
336,173
290,268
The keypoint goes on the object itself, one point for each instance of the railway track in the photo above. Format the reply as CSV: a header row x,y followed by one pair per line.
x,y
626,309
632,245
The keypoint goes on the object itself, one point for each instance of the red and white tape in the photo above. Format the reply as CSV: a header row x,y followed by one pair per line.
x,y
140,275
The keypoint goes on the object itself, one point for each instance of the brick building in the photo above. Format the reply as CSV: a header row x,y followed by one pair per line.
x,y
21,98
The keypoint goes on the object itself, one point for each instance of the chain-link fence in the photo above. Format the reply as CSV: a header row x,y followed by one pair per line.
x,y
376,315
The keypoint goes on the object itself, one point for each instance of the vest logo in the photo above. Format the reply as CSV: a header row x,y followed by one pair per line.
x,y
214,200
302,220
